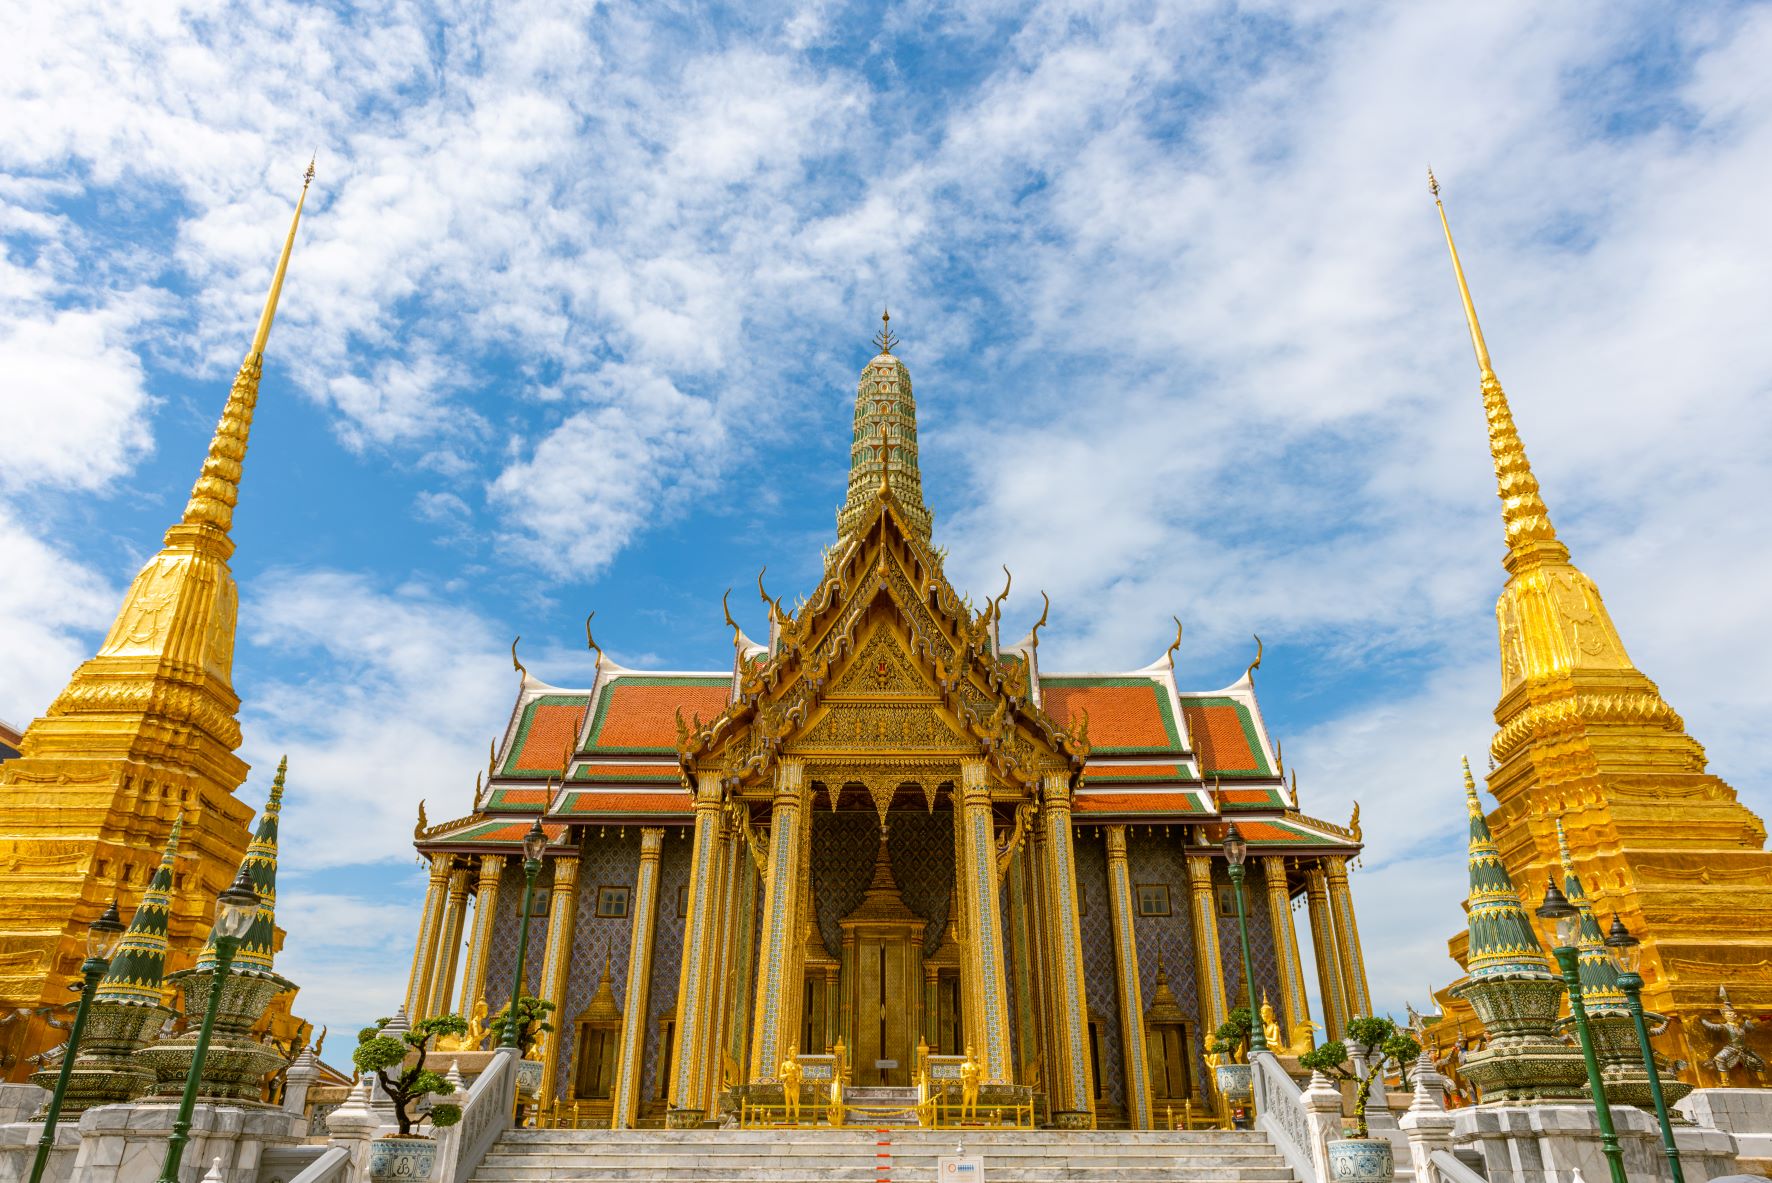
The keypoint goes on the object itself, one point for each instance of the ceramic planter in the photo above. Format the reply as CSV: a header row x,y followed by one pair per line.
x,y
1360,1160
1236,1082
402,1158
529,1078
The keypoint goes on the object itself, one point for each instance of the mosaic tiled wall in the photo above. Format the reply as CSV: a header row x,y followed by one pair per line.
x,y
667,950
611,859
1261,940
1153,857
1098,959
503,955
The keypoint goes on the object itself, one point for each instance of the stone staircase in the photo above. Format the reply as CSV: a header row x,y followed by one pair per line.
x,y
852,1155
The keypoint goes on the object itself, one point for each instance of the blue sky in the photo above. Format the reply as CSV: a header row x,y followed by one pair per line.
x,y
582,291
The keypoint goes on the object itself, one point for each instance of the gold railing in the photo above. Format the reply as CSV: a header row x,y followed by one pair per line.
x,y
573,1115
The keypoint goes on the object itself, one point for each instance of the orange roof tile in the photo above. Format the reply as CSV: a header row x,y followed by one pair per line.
x,y
1265,831
1136,803
507,798
1125,714
605,803
1137,772
1225,736
505,832
549,727
626,773
639,714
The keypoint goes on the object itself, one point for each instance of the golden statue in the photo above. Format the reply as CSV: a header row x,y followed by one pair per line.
x,y
969,1074
1270,1025
790,1084
470,1040
1302,1039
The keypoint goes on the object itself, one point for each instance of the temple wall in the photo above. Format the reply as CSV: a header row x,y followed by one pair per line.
x,y
667,949
1098,961
1156,858
608,861
1261,938
503,954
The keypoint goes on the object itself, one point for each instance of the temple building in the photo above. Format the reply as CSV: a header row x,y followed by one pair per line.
x,y
884,828
144,734
1587,748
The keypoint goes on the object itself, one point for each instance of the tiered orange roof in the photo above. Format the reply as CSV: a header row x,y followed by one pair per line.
x,y
1127,715
1224,734
548,728
637,713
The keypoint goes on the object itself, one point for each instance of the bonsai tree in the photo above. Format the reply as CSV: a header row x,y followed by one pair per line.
x,y
1383,1043
1231,1040
532,1018
410,1084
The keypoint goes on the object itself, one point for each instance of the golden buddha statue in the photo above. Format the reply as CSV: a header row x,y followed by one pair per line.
x,y
969,1074
468,1041
790,1084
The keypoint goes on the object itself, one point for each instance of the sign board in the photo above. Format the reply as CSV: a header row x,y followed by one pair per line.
x,y
960,1168
885,1064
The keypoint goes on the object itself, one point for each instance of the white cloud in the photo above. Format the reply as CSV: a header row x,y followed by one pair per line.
x,y
51,604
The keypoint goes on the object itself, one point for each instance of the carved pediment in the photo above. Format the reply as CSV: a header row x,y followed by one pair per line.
x,y
885,726
882,670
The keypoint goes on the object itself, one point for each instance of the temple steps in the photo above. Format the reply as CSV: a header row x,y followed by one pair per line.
x,y
853,1155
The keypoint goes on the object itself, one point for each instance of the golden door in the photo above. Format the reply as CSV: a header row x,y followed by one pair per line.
x,y
886,1011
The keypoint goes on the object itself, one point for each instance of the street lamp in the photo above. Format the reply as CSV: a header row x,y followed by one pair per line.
x,y
1626,952
1567,919
101,942
1235,850
534,842
235,908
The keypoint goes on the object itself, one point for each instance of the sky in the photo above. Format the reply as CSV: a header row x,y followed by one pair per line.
x,y
581,294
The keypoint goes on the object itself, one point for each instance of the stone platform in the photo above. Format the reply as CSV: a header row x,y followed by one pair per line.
x,y
852,1155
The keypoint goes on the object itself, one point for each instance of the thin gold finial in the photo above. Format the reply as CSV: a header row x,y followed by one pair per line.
x,y
217,490
1464,291
884,338
1531,539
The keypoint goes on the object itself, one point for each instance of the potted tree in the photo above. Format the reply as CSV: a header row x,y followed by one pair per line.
x,y
1227,1051
532,1024
408,1154
1362,1158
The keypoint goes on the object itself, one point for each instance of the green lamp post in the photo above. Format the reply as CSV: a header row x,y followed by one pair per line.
x,y
1626,952
534,842
235,908
1235,850
1566,918
101,942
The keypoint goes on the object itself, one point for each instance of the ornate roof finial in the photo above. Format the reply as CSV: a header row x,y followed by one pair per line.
x,y
515,664
1471,801
1525,520
1256,664
884,338
217,490
1175,644
591,642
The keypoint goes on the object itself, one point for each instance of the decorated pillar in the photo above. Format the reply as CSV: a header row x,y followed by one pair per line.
x,y
1329,979
424,953
1041,947
473,988
1293,1004
738,1003
724,931
557,960
455,915
695,981
984,921
1208,960
1069,1087
1137,1074
634,1015
778,984
1021,966
1353,963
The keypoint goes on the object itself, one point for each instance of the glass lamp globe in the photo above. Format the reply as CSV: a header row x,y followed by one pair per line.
x,y
535,841
1625,950
235,907
1235,847
1563,914
105,934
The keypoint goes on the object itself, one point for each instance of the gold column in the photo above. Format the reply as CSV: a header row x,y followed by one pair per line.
x,y
634,1014
1208,960
846,1019
473,988
1070,1085
424,953
722,944
1353,963
778,987
1026,1041
1293,1003
1041,947
695,979
455,915
738,994
1136,1065
1335,1013
562,920
984,922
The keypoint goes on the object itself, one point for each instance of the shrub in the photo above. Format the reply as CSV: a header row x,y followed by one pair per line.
x,y
1385,1043
382,1054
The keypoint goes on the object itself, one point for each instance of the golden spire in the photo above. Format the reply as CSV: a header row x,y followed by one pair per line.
x,y
1531,539
1472,803
218,488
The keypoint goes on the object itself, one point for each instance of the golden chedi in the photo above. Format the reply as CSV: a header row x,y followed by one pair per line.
x,y
1585,738
145,731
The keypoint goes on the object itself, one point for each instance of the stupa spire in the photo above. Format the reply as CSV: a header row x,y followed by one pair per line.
x,y
139,966
218,487
1531,539
1502,939
883,448
260,864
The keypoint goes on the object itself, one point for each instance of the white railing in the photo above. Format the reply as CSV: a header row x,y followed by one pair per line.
x,y
487,1113
1279,1113
1449,1169
332,1166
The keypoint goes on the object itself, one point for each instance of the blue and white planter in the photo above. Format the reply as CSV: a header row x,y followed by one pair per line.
x,y
1236,1082
402,1158
1360,1160
529,1073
